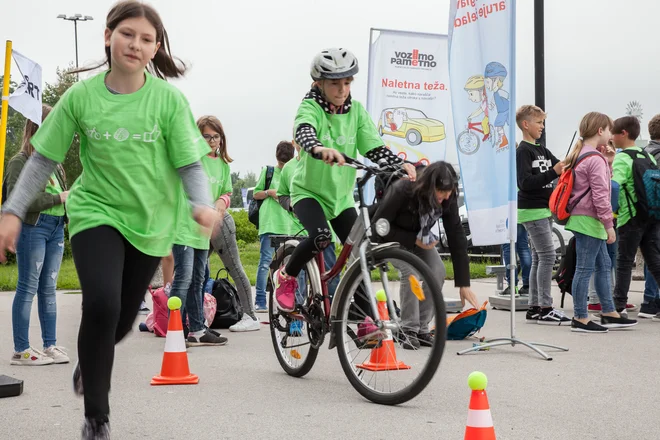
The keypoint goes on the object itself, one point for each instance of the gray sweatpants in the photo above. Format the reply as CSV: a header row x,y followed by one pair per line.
x,y
416,314
543,258
225,244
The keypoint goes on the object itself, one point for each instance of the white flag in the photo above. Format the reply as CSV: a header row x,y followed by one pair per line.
x,y
26,99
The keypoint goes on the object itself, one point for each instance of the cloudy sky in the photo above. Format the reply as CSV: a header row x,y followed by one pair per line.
x,y
250,60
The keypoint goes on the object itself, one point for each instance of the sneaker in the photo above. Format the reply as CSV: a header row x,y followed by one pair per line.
x,y
614,323
594,308
410,341
94,430
77,381
507,292
57,354
246,324
144,310
656,318
524,291
213,332
296,328
31,356
425,339
533,314
589,327
261,309
623,312
649,310
285,291
553,317
631,307
207,339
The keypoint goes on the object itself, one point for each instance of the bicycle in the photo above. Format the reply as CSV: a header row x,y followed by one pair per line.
x,y
297,336
468,142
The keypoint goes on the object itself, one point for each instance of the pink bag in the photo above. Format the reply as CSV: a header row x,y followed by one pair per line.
x,y
210,306
157,320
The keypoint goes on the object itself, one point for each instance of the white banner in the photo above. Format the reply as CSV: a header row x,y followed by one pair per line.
x,y
26,99
408,97
482,73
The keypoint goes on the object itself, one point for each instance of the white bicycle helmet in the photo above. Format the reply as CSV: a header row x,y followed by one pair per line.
x,y
334,64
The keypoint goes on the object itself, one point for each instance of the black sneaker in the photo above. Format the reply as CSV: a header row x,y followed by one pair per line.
x,y
524,291
614,323
533,314
95,430
648,311
507,291
553,317
208,338
409,341
425,339
589,327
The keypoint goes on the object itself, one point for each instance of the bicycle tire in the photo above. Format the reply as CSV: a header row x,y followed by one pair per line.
x,y
437,350
307,365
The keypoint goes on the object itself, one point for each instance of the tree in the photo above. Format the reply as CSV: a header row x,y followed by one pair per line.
x,y
238,185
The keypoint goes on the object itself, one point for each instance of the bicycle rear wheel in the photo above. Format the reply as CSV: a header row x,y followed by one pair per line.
x,y
390,367
291,336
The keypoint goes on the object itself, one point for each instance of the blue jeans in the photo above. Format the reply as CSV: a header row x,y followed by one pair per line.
x,y
263,269
524,254
592,258
611,251
189,266
39,255
651,293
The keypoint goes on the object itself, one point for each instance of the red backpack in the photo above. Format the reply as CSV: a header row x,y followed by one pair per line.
x,y
559,206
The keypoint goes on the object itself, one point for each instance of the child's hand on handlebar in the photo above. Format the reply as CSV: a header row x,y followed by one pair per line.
x,y
329,155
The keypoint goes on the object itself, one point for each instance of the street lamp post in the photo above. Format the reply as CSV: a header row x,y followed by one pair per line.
x,y
75,19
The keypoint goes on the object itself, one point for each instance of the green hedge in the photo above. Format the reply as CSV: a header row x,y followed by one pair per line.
x,y
246,232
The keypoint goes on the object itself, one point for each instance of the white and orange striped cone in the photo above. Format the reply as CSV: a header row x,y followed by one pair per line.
x,y
175,370
383,357
479,424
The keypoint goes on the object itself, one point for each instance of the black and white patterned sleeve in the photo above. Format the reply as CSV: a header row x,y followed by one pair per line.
x,y
306,138
384,158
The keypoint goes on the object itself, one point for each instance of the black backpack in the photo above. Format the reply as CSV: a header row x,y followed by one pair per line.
x,y
229,310
646,182
566,271
253,208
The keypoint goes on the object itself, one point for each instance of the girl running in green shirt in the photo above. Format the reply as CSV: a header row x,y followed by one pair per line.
x,y
328,124
138,141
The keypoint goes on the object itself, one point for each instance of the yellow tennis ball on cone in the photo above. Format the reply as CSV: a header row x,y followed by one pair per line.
x,y
477,381
381,296
174,303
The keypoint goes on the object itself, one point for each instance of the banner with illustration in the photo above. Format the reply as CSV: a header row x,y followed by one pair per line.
x,y
482,78
407,97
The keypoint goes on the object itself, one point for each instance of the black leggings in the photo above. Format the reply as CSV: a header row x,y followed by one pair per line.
x,y
114,277
311,216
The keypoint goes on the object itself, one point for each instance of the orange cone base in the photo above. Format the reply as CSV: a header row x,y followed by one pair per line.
x,y
191,379
384,359
479,433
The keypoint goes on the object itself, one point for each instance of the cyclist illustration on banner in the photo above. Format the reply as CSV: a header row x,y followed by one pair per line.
x,y
495,75
480,131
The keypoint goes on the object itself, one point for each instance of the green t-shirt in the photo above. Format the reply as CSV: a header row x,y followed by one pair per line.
x,y
622,174
349,133
531,215
587,225
130,148
273,219
284,189
188,231
53,187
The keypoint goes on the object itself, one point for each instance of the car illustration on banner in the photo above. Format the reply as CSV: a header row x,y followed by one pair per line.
x,y
410,124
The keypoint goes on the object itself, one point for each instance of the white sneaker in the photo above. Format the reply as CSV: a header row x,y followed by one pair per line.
x,y
31,356
246,324
57,354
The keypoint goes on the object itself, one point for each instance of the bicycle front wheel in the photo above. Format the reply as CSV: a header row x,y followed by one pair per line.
x,y
391,366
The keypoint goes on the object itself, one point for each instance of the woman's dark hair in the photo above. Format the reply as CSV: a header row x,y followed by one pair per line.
x,y
214,124
439,176
284,151
164,65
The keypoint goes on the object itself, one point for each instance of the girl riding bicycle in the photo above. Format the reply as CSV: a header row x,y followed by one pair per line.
x,y
328,124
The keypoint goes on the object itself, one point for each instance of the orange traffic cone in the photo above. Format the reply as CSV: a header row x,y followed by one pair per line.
x,y
479,424
175,370
383,358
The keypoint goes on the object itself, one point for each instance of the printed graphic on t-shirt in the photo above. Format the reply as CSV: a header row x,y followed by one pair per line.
x,y
121,134
542,165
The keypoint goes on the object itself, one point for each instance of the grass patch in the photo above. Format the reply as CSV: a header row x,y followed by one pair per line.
x,y
68,278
